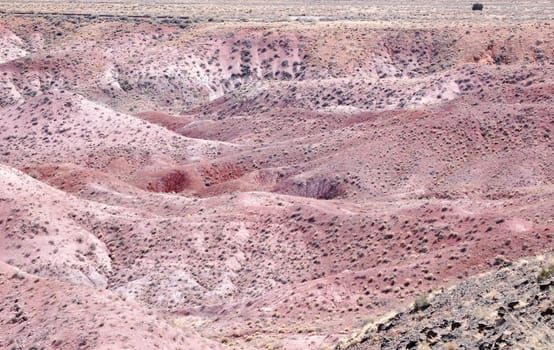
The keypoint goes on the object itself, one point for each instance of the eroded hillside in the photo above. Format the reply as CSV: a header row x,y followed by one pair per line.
x,y
250,185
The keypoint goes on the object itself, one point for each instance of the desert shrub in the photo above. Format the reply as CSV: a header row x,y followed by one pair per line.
x,y
421,302
477,7
545,272
126,86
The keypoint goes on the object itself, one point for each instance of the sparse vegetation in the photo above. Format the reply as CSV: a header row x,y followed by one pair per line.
x,y
545,272
301,178
477,7
421,302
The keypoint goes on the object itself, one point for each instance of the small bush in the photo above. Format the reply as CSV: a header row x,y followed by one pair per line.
x,y
421,302
545,272
477,7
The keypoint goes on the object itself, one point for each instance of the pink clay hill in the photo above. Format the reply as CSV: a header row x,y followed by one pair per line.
x,y
189,183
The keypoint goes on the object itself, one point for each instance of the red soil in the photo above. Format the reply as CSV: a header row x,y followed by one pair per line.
x,y
293,181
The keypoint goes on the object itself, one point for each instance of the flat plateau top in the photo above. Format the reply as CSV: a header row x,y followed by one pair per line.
x,y
380,11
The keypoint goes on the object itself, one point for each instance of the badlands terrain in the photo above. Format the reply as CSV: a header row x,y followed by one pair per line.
x,y
276,175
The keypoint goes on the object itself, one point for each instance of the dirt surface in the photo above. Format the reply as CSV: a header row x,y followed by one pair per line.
x,y
276,183
395,13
